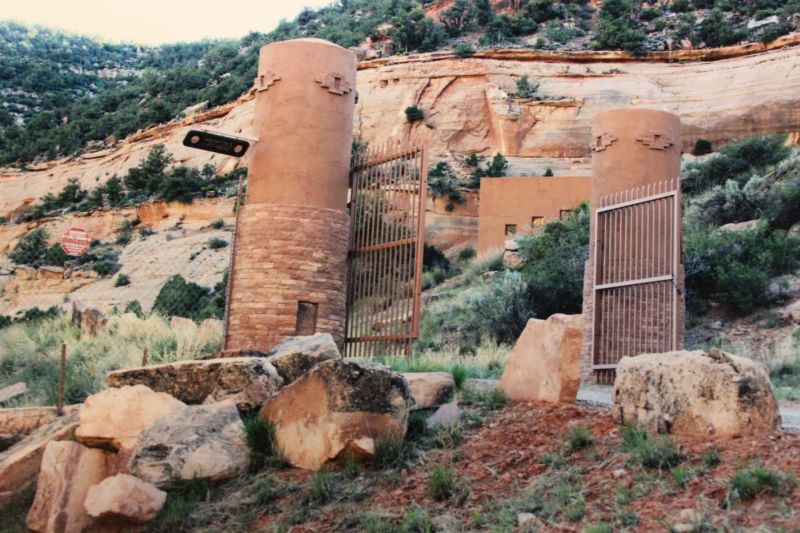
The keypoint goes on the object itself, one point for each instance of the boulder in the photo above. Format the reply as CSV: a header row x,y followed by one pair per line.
x,y
88,320
124,497
12,391
339,407
545,363
199,441
448,414
248,381
68,470
430,389
697,393
295,356
113,418
20,463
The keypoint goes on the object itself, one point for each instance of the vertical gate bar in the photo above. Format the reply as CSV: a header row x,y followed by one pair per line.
x,y
408,272
420,238
676,260
374,255
232,264
596,273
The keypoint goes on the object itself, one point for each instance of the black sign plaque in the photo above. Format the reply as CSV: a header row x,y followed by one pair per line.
x,y
214,142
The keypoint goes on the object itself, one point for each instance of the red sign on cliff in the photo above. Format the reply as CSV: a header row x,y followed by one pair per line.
x,y
75,242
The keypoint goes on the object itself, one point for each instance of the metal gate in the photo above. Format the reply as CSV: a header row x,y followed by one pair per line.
x,y
387,228
637,243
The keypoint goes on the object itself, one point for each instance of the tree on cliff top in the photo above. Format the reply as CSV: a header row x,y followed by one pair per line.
x,y
618,28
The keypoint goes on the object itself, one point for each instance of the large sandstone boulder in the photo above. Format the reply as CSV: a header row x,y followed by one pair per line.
x,y
199,441
338,407
698,393
248,381
126,498
545,363
295,356
19,464
68,470
430,389
113,418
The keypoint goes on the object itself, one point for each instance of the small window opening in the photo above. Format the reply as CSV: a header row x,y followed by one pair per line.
x,y
306,318
511,230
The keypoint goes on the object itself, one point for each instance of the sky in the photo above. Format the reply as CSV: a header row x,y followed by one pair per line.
x,y
155,22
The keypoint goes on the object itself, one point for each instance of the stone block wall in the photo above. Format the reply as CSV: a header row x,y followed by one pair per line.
x,y
286,254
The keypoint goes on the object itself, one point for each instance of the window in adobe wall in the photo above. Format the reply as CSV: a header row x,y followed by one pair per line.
x,y
306,318
537,222
564,214
511,230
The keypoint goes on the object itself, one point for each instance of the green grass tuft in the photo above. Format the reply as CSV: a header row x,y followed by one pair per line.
x,y
578,438
755,481
648,450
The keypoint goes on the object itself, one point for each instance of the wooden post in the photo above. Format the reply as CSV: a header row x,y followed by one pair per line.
x,y
145,357
61,380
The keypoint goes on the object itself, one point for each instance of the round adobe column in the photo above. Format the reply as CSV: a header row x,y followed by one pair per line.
x,y
636,153
633,148
290,263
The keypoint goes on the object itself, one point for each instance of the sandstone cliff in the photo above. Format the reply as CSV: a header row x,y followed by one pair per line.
x,y
721,95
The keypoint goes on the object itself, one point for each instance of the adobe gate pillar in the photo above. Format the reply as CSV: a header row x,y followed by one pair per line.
x,y
633,287
289,267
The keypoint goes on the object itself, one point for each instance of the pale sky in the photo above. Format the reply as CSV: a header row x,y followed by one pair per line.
x,y
155,21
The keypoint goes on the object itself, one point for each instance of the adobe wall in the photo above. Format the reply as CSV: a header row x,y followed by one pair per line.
x,y
289,268
517,200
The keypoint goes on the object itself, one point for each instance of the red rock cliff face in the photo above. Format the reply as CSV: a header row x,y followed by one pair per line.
x,y
721,95
468,104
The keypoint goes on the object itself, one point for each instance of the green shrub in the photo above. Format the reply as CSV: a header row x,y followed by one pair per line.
x,y
180,504
734,162
432,258
467,253
524,88
618,28
178,297
414,114
578,438
755,481
441,483
31,249
734,268
554,262
702,147
680,6
711,458
217,224
459,373
733,202
323,485
389,452
260,435
463,50
648,450
497,167
122,280
716,31
548,173
443,182
134,307
215,243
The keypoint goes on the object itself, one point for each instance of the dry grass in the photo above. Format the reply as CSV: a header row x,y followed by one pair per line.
x,y
488,361
31,352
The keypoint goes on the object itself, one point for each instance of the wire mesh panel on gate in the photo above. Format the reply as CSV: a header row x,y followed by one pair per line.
x,y
387,212
637,261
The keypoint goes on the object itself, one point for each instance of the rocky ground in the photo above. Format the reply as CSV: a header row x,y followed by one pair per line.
x,y
517,460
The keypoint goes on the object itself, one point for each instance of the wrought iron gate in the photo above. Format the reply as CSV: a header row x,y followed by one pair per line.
x,y
387,229
637,243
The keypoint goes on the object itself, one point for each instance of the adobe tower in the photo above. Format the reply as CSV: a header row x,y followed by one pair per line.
x,y
289,267
633,287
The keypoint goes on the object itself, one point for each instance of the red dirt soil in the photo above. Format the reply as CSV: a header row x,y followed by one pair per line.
x,y
503,456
